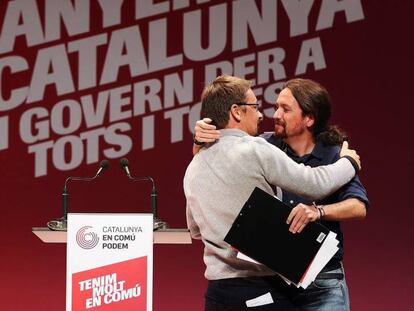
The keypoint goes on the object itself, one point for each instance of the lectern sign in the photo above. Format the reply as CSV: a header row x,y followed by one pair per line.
x,y
109,263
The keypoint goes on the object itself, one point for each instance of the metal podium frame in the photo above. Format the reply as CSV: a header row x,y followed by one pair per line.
x,y
161,236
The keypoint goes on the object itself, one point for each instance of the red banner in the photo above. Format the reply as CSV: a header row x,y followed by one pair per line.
x,y
120,286
87,80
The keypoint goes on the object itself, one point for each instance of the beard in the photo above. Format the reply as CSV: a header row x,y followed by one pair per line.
x,y
293,131
280,130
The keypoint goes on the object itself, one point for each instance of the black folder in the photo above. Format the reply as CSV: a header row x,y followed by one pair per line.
x,y
260,232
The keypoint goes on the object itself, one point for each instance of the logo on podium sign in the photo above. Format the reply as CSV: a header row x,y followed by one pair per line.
x,y
109,263
85,239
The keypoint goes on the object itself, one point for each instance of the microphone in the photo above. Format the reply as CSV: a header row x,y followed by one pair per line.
x,y
158,223
125,166
61,223
103,166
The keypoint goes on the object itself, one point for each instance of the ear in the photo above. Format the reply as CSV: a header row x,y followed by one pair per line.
x,y
235,113
310,120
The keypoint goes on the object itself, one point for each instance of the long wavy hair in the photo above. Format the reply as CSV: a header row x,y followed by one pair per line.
x,y
314,100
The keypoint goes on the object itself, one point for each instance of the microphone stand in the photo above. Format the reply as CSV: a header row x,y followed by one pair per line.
x,y
158,222
61,223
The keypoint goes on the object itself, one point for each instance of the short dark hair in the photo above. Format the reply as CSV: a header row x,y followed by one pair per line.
x,y
314,100
218,97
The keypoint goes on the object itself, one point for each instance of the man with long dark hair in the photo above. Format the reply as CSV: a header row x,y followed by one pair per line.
x,y
302,131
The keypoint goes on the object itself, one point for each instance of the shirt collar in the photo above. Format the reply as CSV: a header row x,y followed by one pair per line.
x,y
317,152
232,132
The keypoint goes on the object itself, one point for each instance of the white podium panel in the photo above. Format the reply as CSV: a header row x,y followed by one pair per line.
x,y
109,262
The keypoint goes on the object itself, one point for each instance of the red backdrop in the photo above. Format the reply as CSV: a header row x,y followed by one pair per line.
x,y
362,54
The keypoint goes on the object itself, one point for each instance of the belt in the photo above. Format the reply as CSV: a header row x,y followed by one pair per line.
x,y
325,273
328,276
332,266
257,280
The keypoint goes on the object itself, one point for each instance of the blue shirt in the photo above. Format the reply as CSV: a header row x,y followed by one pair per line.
x,y
321,155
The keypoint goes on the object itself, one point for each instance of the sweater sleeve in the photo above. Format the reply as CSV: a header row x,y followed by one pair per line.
x,y
313,183
191,224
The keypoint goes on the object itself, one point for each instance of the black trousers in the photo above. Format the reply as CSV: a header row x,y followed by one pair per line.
x,y
232,294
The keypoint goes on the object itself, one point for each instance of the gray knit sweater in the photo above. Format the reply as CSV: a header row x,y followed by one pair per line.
x,y
221,177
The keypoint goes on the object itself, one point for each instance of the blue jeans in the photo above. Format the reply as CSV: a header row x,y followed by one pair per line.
x,y
326,293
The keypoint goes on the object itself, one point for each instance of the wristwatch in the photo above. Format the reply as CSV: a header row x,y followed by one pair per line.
x,y
196,142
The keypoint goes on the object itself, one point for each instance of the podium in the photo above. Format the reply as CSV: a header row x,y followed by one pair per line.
x,y
110,259
161,236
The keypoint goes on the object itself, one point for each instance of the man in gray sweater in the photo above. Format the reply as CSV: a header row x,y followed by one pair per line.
x,y
222,176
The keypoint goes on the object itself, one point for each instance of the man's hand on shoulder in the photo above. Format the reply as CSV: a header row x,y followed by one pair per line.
x,y
204,132
352,154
